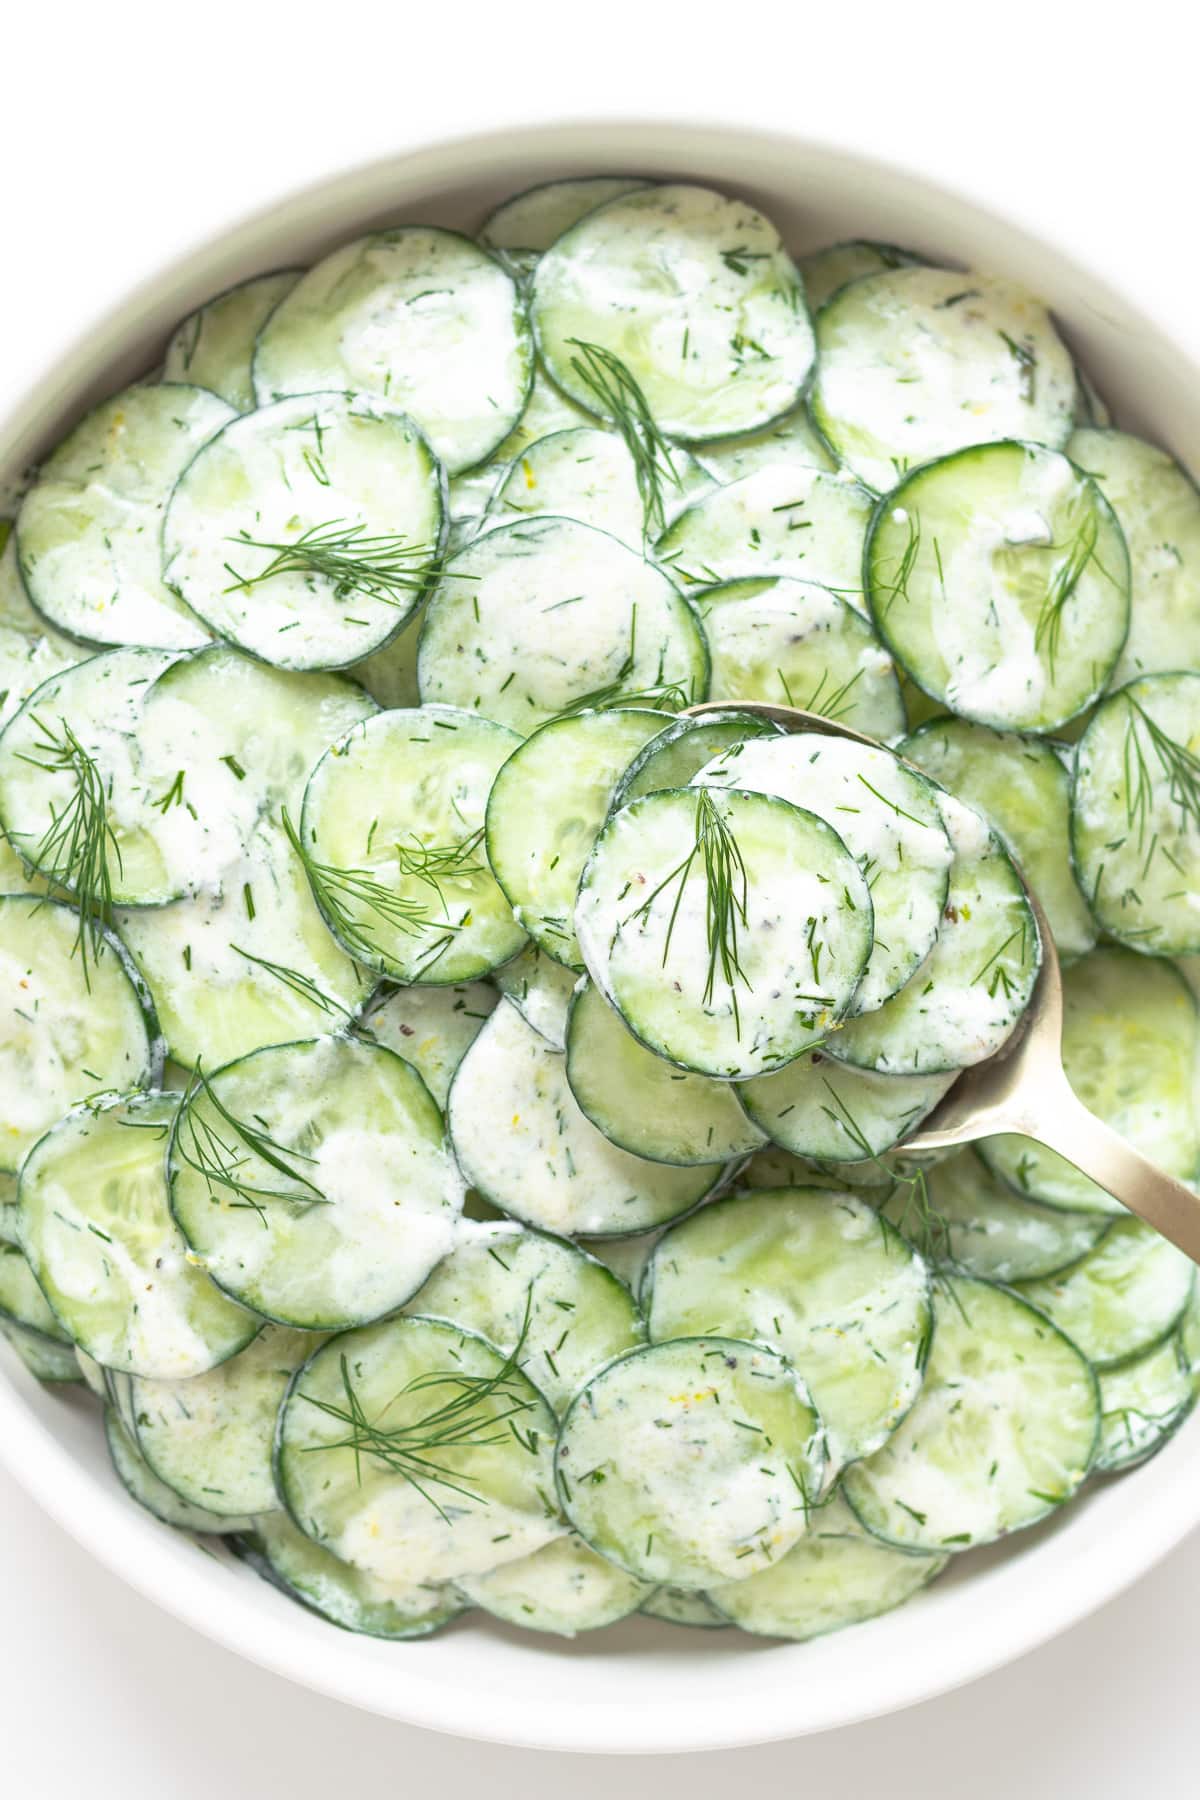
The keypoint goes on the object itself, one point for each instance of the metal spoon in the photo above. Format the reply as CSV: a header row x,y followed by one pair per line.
x,y
1023,1088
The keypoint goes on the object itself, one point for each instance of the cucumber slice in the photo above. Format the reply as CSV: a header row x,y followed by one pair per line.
x,y
9,1215
563,1313
211,1438
683,748
1036,561
45,1358
73,1025
431,1027
547,804
694,293
15,609
627,1257
968,996
772,1167
692,1461
1003,1432
88,529
834,1577
313,1181
551,616
984,1229
888,818
92,1375
1135,814
1130,1039
22,1301
589,475
143,1485
821,1108
784,521
391,837
390,675
793,643
1024,787
642,1103
339,1592
523,1142
546,411
100,1238
1158,507
917,363
792,440
214,346
736,1001
817,1276
531,220
26,661
1122,1298
426,1497
827,270
305,532
564,1588
541,990
1143,1404
682,1606
420,318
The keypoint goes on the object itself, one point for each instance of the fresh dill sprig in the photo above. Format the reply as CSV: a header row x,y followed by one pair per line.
x,y
897,588
1176,762
344,895
73,851
480,1412
727,892
927,1229
1065,577
618,396
224,1152
832,705
435,863
383,567
299,983
666,696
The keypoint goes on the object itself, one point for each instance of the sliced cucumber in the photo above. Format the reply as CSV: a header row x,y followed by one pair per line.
x,y
644,907
546,411
888,818
1036,562
26,661
420,318
683,1606
487,1499
339,1592
390,675
15,609
793,643
539,1298
826,271
792,440
817,1276
1130,1040
100,1238
306,531
1135,828
834,1577
76,1020
1158,506
968,996
683,748
9,1215
1003,1432
533,219
692,1461
564,1588
313,1181
917,363
392,843
211,1438
45,1358
590,475
643,1104
22,1301
784,520
523,1142
88,529
694,293
143,1485
538,618
1143,1403
430,1027
1122,1298
540,988
1024,787
214,346
547,804
822,1108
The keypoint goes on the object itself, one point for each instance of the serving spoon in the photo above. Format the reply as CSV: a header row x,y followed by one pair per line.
x,y
1023,1088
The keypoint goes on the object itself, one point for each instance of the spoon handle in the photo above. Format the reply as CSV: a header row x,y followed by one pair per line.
x,y
1094,1147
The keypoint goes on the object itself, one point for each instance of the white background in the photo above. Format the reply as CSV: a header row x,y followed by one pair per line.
x,y
129,132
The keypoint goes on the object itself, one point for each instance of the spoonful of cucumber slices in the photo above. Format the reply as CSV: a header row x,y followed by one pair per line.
x,y
1021,1088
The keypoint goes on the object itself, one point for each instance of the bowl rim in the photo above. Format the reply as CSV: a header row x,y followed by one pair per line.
x,y
212,1598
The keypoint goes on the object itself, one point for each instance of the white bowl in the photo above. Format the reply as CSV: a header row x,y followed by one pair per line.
x,y
639,1686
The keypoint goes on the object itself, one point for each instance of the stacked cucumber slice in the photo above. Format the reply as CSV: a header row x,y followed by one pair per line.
x,y
453,1095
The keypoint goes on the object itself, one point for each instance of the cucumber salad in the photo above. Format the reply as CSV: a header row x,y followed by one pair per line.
x,y
453,1094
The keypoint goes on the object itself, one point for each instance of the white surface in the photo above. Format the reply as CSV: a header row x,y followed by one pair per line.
x,y
130,154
